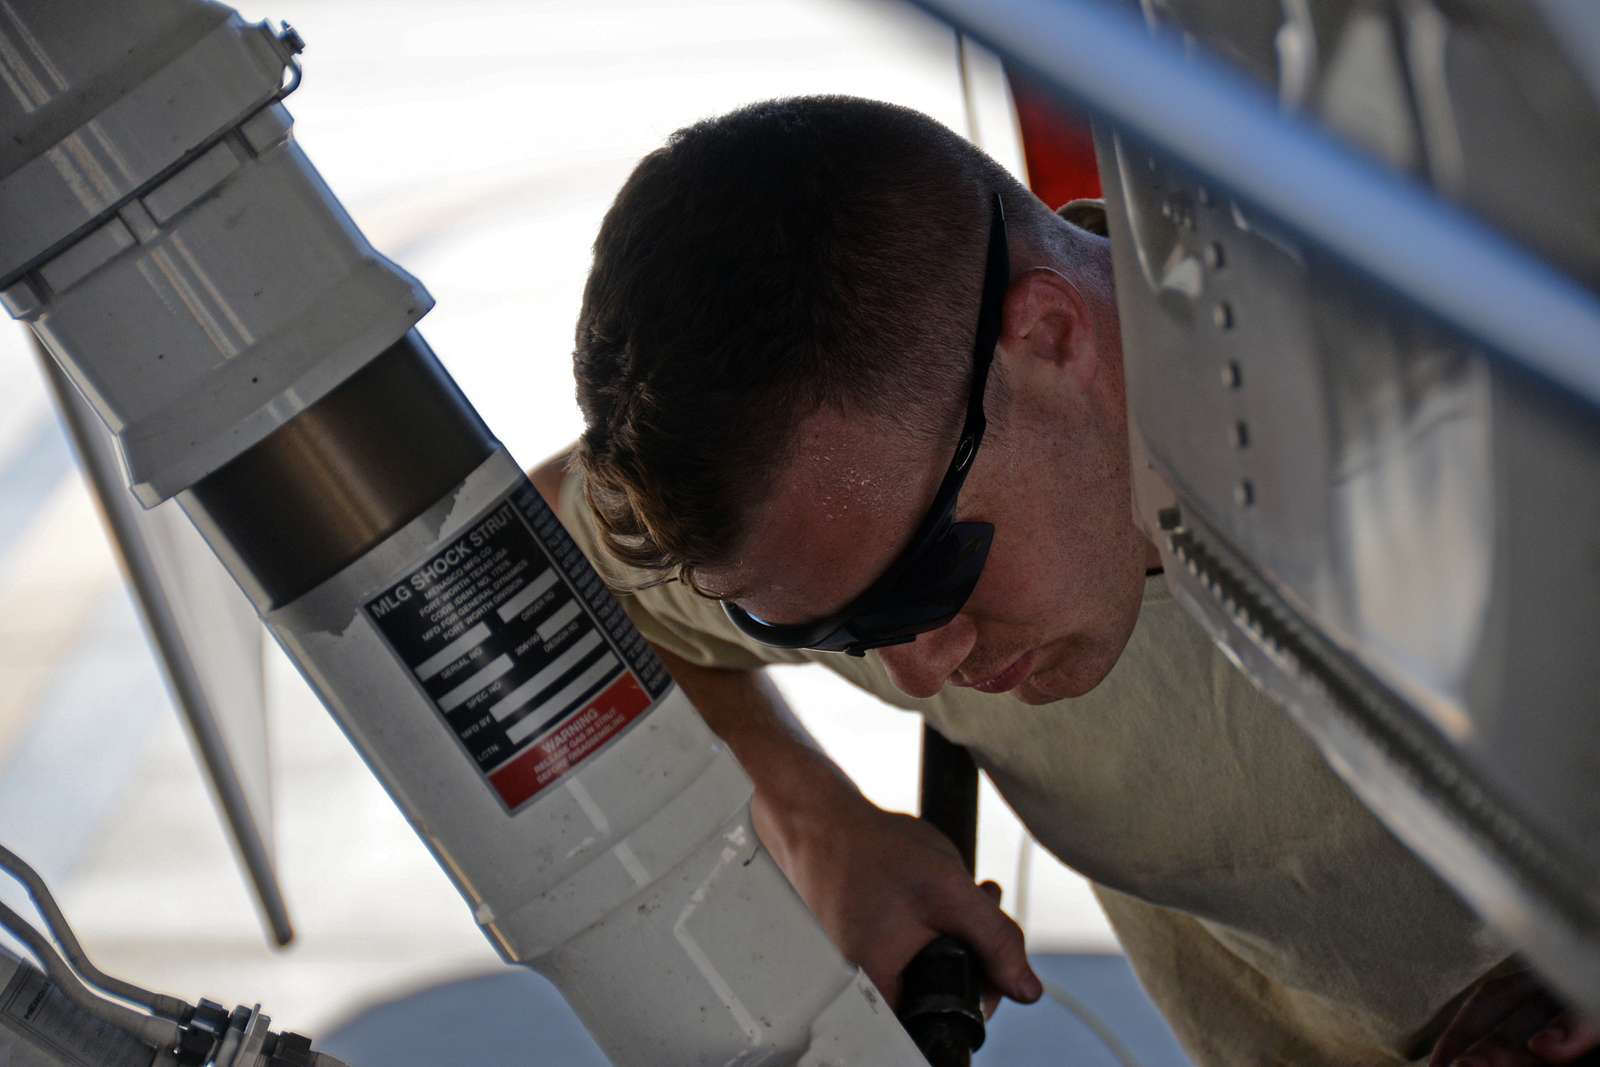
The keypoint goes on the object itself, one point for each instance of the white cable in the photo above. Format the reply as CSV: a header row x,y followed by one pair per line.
x,y
1024,879
1072,1004
1096,1025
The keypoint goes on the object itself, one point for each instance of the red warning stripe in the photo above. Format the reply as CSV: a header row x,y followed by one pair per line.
x,y
572,742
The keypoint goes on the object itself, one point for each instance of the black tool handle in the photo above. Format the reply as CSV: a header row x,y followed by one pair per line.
x,y
942,985
949,793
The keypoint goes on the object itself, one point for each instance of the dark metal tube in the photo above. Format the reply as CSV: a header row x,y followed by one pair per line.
x,y
324,488
941,988
949,792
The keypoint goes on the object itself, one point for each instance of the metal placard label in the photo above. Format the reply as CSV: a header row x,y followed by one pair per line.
x,y
519,647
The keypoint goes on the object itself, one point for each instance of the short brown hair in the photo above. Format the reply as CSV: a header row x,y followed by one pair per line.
x,y
789,255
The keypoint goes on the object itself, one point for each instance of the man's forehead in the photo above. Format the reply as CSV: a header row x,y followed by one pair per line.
x,y
838,510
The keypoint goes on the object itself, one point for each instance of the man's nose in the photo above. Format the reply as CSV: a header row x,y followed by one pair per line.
x,y
921,668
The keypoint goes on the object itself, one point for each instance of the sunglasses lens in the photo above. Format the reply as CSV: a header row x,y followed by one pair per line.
x,y
933,588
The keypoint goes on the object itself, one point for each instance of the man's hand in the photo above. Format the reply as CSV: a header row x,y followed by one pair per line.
x,y
1513,1021
884,885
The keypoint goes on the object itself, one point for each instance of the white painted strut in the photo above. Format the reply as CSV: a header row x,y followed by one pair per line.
x,y
255,357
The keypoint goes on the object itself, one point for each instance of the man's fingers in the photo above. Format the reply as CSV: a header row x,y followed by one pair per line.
x,y
997,941
1482,1011
1565,1040
1494,1052
989,1001
888,984
1529,1019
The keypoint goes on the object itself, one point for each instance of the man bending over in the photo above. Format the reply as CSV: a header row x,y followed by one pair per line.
x,y
849,387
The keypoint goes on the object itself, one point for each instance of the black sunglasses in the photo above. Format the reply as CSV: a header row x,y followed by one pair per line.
x,y
927,585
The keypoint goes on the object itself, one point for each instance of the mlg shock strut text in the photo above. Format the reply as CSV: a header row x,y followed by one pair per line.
x,y
517,646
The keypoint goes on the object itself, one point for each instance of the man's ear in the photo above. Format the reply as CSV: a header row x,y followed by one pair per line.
x,y
1045,328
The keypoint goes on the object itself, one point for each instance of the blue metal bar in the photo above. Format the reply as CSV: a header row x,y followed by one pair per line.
x,y
1384,225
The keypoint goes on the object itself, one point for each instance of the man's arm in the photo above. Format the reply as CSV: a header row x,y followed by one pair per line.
x,y
883,885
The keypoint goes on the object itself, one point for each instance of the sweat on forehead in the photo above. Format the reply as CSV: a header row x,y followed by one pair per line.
x,y
856,461
839,507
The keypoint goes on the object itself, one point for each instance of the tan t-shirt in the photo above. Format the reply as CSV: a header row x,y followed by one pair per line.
x,y
1266,911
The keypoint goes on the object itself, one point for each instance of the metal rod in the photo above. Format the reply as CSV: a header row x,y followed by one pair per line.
x,y
1214,120
183,678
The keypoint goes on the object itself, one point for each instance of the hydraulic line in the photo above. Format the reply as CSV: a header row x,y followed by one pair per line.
x,y
165,1006
158,1033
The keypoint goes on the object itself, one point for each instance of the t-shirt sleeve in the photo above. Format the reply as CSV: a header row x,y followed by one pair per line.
x,y
672,615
